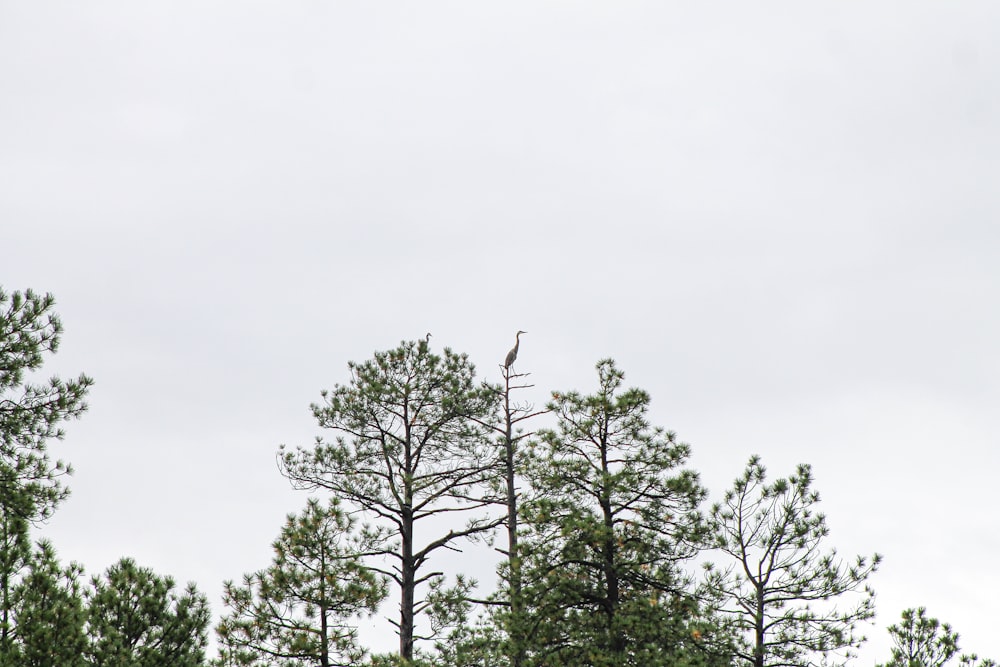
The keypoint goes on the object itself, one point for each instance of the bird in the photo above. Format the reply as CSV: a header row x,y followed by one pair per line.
x,y
512,355
427,338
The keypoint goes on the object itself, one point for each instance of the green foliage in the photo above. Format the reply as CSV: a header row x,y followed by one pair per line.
x,y
296,612
487,643
973,660
921,641
484,643
780,590
31,414
612,517
136,619
133,617
51,616
15,551
396,660
410,445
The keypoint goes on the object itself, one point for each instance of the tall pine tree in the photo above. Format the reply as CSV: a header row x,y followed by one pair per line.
x,y
613,517
787,598
31,415
409,449
498,638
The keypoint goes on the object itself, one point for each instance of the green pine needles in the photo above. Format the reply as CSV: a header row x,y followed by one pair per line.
x,y
605,552
299,611
49,614
789,599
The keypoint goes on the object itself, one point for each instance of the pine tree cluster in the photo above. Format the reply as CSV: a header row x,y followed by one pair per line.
x,y
608,555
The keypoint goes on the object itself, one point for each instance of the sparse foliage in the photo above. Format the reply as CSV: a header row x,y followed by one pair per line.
x,y
499,637
410,446
782,592
973,660
921,641
297,612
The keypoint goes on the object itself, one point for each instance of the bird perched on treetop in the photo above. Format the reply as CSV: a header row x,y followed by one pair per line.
x,y
512,355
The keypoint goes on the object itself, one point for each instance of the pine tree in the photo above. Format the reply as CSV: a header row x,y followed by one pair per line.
x,y
31,414
612,518
973,660
51,616
137,619
410,447
781,591
16,506
296,613
921,641
498,636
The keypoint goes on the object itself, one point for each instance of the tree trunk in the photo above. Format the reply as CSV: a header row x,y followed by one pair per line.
x,y
758,650
613,593
516,626
6,568
324,639
4,629
407,592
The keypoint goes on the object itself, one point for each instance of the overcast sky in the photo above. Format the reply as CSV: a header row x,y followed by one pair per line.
x,y
780,219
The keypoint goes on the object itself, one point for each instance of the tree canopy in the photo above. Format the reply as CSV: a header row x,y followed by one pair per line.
x,y
919,640
780,589
299,611
48,614
612,516
604,523
410,446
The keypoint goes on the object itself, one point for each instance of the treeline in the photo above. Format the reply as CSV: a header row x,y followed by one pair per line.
x,y
598,520
609,553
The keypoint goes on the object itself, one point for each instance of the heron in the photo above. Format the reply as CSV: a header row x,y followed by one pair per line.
x,y
427,338
512,355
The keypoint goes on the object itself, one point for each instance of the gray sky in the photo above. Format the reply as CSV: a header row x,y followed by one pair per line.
x,y
779,218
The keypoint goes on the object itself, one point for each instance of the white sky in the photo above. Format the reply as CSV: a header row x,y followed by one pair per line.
x,y
779,218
